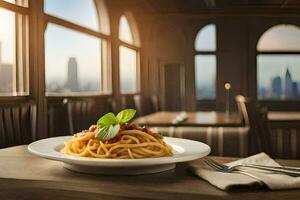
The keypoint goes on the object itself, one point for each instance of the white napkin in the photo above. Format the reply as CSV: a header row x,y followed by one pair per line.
x,y
227,181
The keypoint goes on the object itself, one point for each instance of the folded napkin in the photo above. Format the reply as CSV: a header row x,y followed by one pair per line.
x,y
226,181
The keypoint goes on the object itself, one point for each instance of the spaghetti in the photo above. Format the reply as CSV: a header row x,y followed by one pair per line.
x,y
131,142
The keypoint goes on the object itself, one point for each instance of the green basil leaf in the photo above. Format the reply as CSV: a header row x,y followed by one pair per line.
x,y
160,135
125,115
107,120
107,133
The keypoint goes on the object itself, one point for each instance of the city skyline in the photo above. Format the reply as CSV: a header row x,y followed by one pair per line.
x,y
278,76
281,88
72,83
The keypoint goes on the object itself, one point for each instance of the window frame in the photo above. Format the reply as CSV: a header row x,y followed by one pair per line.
x,y
206,104
135,46
274,104
98,34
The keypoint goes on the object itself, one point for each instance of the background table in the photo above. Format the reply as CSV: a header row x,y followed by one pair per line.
x,y
24,176
210,118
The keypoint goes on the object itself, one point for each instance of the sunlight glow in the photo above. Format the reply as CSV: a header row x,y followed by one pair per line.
x,y
125,33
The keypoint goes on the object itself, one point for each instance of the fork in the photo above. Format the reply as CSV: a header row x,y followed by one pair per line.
x,y
224,168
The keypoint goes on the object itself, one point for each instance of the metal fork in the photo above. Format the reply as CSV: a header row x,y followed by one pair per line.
x,y
224,168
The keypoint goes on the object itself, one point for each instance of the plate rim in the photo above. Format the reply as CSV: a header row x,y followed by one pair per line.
x,y
98,162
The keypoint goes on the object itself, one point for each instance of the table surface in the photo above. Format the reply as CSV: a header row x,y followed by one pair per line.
x,y
24,176
210,118
283,116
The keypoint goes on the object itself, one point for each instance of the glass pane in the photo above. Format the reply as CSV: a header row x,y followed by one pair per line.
x,y
125,33
280,38
81,12
206,39
72,61
7,50
23,3
278,76
13,39
205,76
128,70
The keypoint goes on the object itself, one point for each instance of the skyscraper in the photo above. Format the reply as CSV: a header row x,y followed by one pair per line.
x,y
294,90
72,79
288,85
276,87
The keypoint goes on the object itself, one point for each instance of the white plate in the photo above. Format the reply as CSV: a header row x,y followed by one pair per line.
x,y
184,150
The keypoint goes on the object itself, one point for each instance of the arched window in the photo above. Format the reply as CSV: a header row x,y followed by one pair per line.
x,y
76,47
206,62
278,63
128,55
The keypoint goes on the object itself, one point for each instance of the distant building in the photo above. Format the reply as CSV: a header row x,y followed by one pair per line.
x,y
288,85
294,90
263,93
6,76
72,79
276,87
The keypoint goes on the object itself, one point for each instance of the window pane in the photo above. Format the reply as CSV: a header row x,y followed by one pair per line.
x,y
72,61
125,33
81,12
278,76
280,38
128,70
206,38
13,39
205,76
23,3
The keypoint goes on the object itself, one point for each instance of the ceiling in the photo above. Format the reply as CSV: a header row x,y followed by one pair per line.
x,y
192,6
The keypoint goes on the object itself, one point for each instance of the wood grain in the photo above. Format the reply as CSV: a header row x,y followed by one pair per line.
x,y
24,176
210,118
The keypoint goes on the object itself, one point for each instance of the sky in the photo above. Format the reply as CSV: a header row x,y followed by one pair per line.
x,y
7,39
61,44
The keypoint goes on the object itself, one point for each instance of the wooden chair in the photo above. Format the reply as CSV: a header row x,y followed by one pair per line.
x,y
77,111
17,124
112,104
242,108
264,131
255,117
138,104
124,102
155,103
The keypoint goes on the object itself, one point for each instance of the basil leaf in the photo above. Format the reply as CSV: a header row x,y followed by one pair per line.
x,y
107,133
125,115
107,119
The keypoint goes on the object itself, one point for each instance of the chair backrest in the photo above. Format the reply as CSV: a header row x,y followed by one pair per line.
x,y
264,131
256,119
155,103
242,108
78,117
138,104
123,102
112,104
17,124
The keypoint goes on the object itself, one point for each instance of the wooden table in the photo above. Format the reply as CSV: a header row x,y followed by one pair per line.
x,y
284,119
24,176
283,116
211,118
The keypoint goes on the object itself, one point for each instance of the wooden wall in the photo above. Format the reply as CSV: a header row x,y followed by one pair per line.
x,y
171,40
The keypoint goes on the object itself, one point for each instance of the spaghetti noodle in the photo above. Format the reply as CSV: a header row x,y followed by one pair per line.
x,y
131,142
